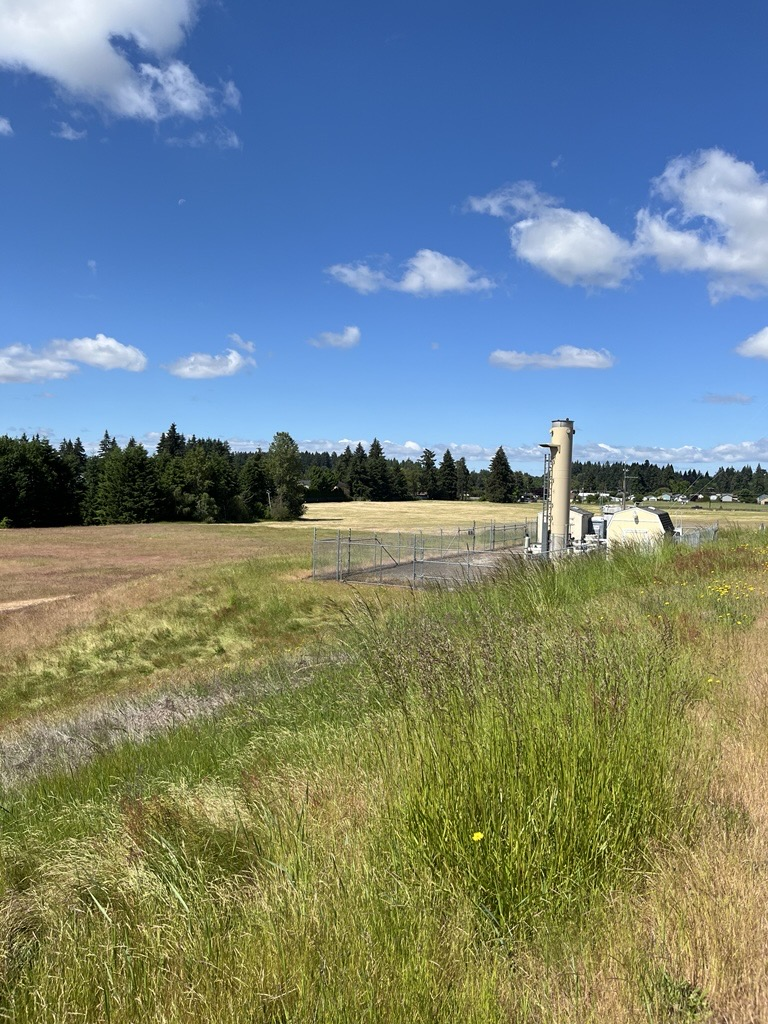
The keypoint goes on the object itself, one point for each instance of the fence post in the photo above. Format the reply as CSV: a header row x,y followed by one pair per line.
x,y
349,554
338,555
314,550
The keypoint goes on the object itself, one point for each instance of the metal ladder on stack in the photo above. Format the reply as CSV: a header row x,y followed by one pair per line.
x,y
546,503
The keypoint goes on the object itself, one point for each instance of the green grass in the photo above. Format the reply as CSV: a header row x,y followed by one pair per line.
x,y
460,794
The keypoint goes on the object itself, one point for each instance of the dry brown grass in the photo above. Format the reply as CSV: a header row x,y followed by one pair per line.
x,y
409,515
80,560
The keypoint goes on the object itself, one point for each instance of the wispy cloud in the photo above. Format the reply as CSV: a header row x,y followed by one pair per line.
x,y
5,126
202,366
564,357
79,50
91,264
246,346
426,273
347,338
67,132
20,364
735,399
220,137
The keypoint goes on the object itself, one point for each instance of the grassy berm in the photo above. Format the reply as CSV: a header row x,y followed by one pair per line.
x,y
538,800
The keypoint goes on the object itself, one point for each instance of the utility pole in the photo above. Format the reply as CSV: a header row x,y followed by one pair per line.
x,y
624,487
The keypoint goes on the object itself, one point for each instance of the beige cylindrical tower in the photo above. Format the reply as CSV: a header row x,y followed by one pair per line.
x,y
561,446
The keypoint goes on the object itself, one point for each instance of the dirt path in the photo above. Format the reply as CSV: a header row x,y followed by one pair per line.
x,y
17,606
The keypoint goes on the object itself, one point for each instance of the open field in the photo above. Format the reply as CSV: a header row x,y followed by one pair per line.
x,y
410,515
138,606
537,801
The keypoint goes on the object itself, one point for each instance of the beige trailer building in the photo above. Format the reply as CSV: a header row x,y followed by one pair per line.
x,y
637,525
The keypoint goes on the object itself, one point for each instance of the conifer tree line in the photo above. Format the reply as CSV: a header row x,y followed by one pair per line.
x,y
202,480
370,476
187,479
645,479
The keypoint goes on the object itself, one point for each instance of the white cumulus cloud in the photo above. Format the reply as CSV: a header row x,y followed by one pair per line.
x,y
5,126
562,357
21,364
84,46
427,273
716,222
574,248
571,246
347,338
756,346
709,215
101,352
202,366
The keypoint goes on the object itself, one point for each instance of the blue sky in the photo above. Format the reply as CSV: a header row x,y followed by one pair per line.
x,y
438,224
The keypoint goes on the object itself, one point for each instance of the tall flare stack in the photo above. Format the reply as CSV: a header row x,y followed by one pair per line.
x,y
561,449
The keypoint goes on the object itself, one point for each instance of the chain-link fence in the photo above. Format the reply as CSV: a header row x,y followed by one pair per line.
x,y
417,559
694,536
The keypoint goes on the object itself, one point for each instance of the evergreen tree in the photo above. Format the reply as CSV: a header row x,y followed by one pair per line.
x,y
446,477
359,481
36,484
343,470
171,443
284,469
398,482
378,476
253,486
127,488
500,483
323,485
107,445
428,476
210,483
462,479
94,470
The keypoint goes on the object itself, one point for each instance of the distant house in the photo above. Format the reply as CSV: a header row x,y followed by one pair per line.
x,y
727,497
666,496
714,497
762,499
